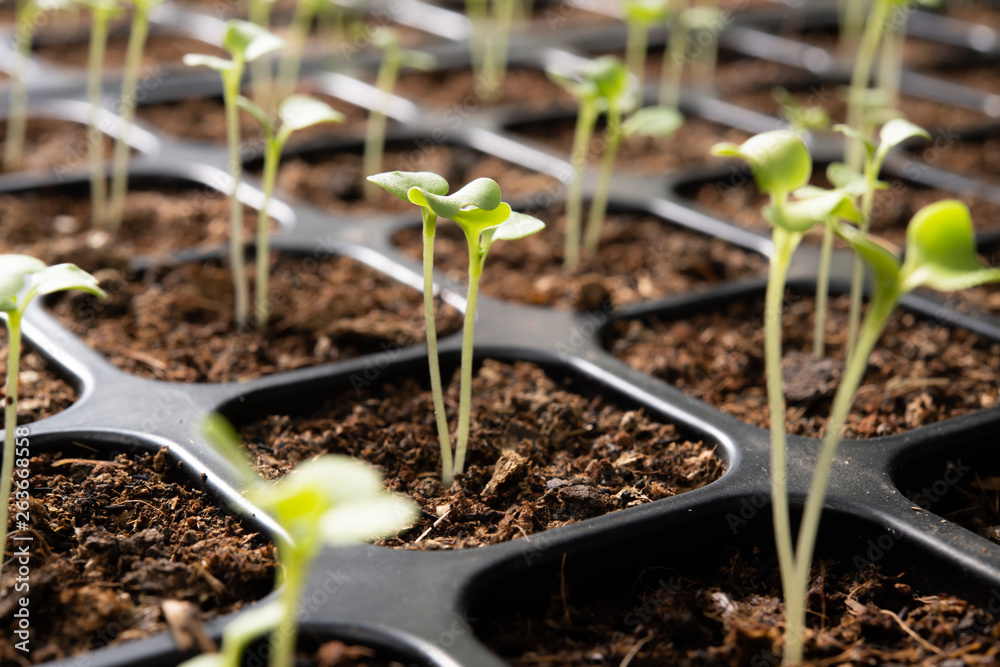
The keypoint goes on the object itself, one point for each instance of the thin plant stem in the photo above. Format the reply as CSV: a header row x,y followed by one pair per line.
x,y
468,334
291,60
385,81
95,139
858,115
444,437
504,11
17,119
852,22
879,311
858,272
286,634
9,424
784,247
130,81
237,262
703,66
599,206
585,122
822,293
477,11
635,49
272,157
673,65
890,64
259,12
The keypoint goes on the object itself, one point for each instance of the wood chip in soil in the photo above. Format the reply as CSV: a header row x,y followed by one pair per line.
x,y
691,144
639,257
55,225
334,180
920,373
176,324
733,616
540,455
112,541
735,198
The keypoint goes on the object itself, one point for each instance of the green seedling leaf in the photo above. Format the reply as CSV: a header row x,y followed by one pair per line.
x,y
779,159
482,193
844,178
800,215
645,11
653,122
420,60
898,130
851,133
609,76
212,62
883,262
399,183
248,41
259,115
579,86
941,250
366,519
517,226
63,277
298,112
14,273
477,219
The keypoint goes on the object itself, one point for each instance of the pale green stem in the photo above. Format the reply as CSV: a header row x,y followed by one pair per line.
x,y
272,157
784,247
95,139
703,67
237,262
259,12
585,122
504,10
130,81
17,118
375,132
447,464
477,11
286,635
468,334
879,311
673,65
858,115
822,293
9,424
288,68
858,273
852,22
635,49
599,206
890,64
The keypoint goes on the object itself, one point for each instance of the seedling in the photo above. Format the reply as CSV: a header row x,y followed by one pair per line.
x,y
489,42
400,184
331,500
394,58
246,42
476,208
102,12
28,15
781,165
693,20
259,13
130,81
641,16
22,278
864,185
940,254
291,59
296,112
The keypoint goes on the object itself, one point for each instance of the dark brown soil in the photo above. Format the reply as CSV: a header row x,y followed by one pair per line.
x,y
691,144
111,541
42,393
973,156
920,373
461,94
732,615
736,199
161,49
333,180
57,145
640,257
204,119
176,323
540,455
55,224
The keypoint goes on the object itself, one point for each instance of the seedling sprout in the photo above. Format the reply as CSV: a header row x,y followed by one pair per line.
x,y
394,58
296,112
259,13
331,500
641,16
246,42
22,278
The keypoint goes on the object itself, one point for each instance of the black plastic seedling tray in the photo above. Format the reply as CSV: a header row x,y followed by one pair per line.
x,y
422,608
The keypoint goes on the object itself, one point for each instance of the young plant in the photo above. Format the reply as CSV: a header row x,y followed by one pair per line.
x,y
102,12
781,165
296,112
291,59
394,58
130,81
940,254
246,42
261,73
22,278
400,184
28,14
489,42
641,16
618,89
696,20
331,500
